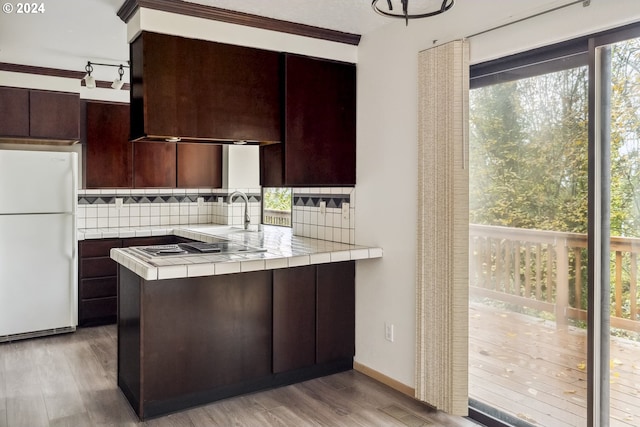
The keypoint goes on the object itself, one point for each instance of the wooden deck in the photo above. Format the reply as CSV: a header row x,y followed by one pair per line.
x,y
531,369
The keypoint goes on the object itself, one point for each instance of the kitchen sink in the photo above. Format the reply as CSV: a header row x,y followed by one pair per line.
x,y
222,230
217,247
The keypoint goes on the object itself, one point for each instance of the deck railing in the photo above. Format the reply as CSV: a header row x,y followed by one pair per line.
x,y
275,217
547,271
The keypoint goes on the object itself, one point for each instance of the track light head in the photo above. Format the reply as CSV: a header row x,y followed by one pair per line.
x,y
117,82
89,80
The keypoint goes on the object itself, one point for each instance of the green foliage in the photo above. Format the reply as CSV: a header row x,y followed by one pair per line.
x,y
529,155
278,199
529,149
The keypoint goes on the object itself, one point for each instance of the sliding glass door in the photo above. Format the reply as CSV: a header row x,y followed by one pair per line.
x,y
554,235
528,256
621,122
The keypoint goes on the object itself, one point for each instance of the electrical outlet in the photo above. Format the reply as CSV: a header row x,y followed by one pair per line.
x,y
323,207
220,200
388,331
345,211
201,202
118,201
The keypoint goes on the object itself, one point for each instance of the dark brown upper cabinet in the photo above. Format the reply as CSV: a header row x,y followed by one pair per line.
x,y
171,165
199,90
199,165
14,110
40,115
108,154
112,161
319,146
154,165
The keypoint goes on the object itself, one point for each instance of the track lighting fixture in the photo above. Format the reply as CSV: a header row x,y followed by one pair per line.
x,y
90,81
425,9
117,82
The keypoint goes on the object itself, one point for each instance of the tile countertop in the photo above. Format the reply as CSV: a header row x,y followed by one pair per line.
x,y
283,250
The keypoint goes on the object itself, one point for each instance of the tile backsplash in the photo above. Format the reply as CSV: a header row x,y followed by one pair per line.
x,y
109,208
335,223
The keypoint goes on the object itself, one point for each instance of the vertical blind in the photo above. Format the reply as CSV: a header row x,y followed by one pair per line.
x,y
442,302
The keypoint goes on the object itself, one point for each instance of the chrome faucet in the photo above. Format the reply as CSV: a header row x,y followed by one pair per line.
x,y
247,218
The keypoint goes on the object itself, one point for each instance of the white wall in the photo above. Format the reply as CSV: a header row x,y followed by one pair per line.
x,y
223,32
63,84
387,151
241,166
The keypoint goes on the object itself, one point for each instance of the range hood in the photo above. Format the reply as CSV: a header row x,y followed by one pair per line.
x,y
200,140
197,91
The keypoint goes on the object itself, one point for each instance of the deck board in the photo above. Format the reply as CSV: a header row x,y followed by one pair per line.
x,y
533,370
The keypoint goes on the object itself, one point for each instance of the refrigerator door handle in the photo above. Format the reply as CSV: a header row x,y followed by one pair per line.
x,y
73,291
74,204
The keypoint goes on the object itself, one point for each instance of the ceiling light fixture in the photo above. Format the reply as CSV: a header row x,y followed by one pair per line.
x,y
90,81
117,82
427,8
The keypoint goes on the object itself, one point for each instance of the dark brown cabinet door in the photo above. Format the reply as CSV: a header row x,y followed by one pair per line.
x,y
294,312
199,165
154,85
97,276
204,333
97,282
154,165
200,89
335,333
319,124
108,155
14,112
272,165
239,94
54,115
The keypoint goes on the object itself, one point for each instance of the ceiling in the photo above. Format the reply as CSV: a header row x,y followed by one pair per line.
x,y
71,32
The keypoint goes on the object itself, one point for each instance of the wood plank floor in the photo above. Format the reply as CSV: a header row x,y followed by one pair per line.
x,y
70,381
530,369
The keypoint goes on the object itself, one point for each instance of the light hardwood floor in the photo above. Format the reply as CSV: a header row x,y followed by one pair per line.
x,y
70,380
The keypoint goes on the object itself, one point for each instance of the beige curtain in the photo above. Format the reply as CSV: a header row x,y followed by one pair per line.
x,y
443,228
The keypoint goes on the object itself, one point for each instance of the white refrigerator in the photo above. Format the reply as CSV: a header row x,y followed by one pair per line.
x,y
38,243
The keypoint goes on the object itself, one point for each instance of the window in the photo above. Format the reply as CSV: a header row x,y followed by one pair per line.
x,y
528,237
277,205
554,227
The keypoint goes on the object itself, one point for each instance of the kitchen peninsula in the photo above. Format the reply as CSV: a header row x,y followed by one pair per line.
x,y
198,328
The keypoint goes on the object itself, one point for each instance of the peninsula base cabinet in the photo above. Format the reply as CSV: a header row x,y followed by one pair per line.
x,y
98,276
190,341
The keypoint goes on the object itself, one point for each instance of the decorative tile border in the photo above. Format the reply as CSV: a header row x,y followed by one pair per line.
x,y
313,200
107,199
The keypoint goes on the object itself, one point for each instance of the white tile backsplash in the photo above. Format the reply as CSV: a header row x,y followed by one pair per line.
x,y
308,221
133,213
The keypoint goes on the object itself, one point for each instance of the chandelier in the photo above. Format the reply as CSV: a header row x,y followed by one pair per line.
x,y
428,8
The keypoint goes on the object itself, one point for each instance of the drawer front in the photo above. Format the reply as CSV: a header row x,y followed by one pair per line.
x,y
98,308
98,248
98,267
98,288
